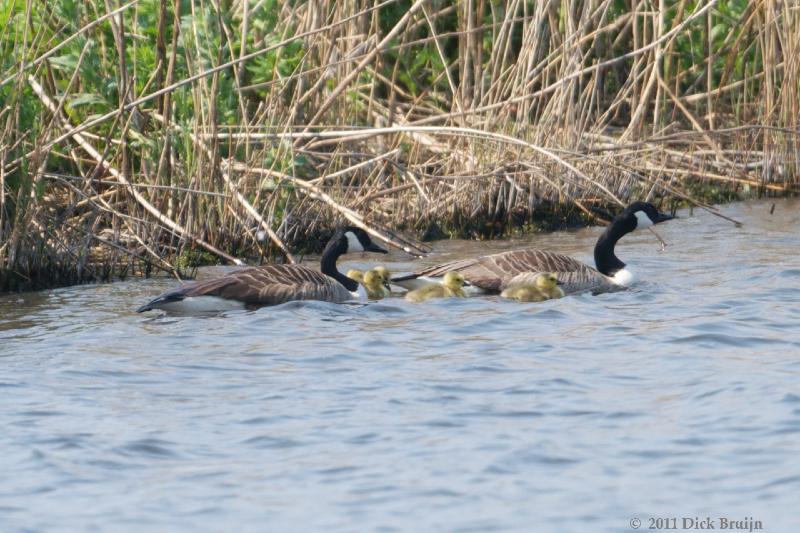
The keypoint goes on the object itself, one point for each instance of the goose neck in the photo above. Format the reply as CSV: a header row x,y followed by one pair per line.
x,y
328,264
604,257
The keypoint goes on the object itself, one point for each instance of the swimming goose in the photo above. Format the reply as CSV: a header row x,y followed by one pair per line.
x,y
493,273
272,284
544,287
452,285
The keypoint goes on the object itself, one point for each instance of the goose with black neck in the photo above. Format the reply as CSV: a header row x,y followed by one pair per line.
x,y
267,285
493,273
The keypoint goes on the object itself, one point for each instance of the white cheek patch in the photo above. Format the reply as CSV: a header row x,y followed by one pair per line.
x,y
623,278
642,220
353,244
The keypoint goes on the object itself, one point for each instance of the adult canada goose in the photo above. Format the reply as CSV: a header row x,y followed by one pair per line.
x,y
373,283
452,285
272,284
493,273
544,287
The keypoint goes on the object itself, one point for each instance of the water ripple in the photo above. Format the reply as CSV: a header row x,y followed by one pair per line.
x,y
679,396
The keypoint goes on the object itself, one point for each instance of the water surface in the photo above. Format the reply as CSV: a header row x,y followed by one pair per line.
x,y
678,398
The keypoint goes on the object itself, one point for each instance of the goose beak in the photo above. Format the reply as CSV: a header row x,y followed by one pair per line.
x,y
663,217
372,247
559,282
467,283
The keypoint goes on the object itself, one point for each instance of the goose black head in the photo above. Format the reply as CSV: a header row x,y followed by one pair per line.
x,y
643,215
346,240
638,215
351,239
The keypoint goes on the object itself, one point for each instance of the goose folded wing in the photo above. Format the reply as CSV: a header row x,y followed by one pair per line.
x,y
270,285
438,270
494,272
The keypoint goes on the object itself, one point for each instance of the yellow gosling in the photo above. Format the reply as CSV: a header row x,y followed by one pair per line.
x,y
452,285
544,288
384,272
373,282
386,276
355,275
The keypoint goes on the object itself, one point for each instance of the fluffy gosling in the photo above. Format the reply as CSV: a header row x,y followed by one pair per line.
x,y
384,272
355,275
386,276
452,285
373,282
545,287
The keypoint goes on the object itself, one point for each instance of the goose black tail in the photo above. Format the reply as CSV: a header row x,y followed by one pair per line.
x,y
404,278
164,298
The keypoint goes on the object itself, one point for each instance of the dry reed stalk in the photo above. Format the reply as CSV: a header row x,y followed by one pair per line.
x,y
576,104
88,148
187,81
352,216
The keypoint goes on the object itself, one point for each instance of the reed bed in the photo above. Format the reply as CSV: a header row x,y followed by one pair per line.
x,y
148,136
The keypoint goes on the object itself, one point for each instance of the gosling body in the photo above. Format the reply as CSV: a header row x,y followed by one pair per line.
x,y
452,286
543,287
355,275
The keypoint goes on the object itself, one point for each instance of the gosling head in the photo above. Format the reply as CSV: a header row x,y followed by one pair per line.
x,y
454,280
547,280
355,275
373,279
384,272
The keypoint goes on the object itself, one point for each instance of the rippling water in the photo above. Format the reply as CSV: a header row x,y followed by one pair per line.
x,y
678,398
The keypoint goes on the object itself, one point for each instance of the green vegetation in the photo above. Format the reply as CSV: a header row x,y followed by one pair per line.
x,y
193,258
146,134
